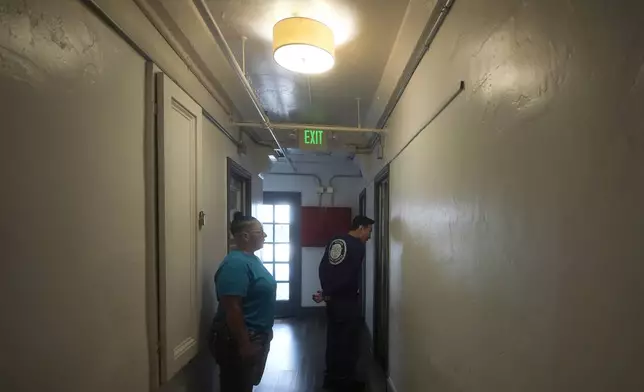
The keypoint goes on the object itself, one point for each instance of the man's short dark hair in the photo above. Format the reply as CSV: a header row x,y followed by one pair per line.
x,y
361,221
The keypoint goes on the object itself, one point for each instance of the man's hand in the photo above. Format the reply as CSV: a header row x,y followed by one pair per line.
x,y
318,297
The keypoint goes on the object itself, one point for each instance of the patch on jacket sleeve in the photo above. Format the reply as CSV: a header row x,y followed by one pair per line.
x,y
337,251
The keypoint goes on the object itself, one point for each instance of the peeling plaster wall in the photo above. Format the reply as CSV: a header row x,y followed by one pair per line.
x,y
517,216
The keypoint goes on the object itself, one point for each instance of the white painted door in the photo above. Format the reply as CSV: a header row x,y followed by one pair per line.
x,y
179,121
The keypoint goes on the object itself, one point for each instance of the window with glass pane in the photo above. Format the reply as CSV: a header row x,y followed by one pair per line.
x,y
282,233
282,271
269,230
276,254
283,214
265,213
266,254
283,293
236,191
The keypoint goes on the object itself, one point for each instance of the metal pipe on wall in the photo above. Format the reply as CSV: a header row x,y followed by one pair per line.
x,y
443,107
429,33
340,176
218,35
332,128
318,179
237,143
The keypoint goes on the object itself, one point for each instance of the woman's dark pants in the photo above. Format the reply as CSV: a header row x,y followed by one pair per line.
x,y
237,374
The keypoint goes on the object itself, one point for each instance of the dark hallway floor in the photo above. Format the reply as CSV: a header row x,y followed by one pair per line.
x,y
296,360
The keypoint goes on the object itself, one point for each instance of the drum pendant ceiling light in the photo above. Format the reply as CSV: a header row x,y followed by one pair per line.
x,y
303,45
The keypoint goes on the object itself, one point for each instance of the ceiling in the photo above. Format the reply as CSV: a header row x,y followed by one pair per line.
x,y
365,31
373,46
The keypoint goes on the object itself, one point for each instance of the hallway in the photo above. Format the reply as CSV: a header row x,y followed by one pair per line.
x,y
497,144
296,360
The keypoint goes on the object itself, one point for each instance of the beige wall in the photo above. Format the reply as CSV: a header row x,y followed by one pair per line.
x,y
516,252
72,289
73,228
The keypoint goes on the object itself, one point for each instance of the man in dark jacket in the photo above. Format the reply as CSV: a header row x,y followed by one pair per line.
x,y
340,277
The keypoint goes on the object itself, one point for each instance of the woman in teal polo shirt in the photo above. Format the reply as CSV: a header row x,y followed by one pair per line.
x,y
243,325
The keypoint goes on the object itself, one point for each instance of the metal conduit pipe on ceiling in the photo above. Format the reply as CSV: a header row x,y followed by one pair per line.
x,y
332,128
340,176
318,179
218,35
429,33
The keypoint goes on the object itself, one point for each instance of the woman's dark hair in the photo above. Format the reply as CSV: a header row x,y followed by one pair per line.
x,y
239,223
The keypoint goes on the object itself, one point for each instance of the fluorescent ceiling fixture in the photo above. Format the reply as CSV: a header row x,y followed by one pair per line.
x,y
303,45
272,158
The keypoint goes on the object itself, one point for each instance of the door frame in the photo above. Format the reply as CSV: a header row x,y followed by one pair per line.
x,y
168,92
294,199
362,210
152,243
381,274
235,170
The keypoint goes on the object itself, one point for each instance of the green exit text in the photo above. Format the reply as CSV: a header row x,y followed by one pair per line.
x,y
314,137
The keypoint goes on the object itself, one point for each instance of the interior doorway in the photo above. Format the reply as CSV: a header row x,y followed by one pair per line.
x,y
282,253
381,278
179,212
239,194
362,210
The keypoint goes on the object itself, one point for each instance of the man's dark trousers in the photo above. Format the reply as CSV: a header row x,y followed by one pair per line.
x,y
344,327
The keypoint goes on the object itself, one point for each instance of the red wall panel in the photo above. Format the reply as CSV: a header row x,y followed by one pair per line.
x,y
320,224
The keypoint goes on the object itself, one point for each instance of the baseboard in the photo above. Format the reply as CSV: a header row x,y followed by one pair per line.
x,y
390,385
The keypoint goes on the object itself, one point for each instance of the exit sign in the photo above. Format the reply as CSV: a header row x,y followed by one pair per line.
x,y
313,139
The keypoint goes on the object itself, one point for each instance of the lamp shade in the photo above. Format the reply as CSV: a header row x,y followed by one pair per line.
x,y
303,45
